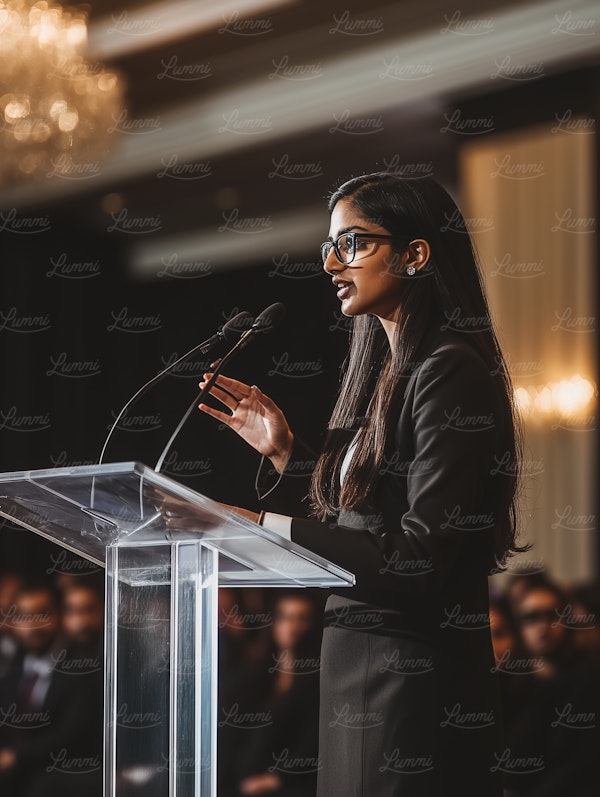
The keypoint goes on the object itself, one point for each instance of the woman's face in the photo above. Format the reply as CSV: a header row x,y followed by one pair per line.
x,y
372,282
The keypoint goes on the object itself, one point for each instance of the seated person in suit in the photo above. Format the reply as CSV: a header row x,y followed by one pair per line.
x,y
49,742
273,730
551,711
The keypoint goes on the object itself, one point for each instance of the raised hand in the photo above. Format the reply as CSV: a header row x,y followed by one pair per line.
x,y
254,416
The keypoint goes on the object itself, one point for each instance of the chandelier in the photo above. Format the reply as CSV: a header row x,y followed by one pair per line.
x,y
55,107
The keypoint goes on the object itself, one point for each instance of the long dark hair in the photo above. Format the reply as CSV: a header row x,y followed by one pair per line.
x,y
449,287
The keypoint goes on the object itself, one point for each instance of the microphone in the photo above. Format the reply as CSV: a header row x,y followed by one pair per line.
x,y
234,329
265,322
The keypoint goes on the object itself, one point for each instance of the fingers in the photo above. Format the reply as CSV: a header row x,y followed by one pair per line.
x,y
237,389
228,391
222,395
231,393
267,402
223,417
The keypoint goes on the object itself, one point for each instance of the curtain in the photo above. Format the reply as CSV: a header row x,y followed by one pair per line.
x,y
529,201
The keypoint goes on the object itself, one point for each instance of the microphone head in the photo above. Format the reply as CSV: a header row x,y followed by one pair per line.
x,y
236,326
269,318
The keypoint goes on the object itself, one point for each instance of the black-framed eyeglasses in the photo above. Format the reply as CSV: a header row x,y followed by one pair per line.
x,y
348,244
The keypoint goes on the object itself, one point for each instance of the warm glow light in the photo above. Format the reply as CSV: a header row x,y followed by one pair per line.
x,y
573,395
77,33
68,121
107,81
16,109
57,108
567,398
61,108
543,400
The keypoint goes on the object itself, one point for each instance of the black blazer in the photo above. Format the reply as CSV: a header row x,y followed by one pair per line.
x,y
433,521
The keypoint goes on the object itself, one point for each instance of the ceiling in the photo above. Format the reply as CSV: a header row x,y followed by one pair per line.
x,y
242,114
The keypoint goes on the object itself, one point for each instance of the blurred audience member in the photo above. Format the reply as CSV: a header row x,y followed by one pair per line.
x,y
517,587
551,709
48,731
275,750
83,617
543,632
67,570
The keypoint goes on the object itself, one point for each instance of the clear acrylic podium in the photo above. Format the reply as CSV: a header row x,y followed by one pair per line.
x,y
166,549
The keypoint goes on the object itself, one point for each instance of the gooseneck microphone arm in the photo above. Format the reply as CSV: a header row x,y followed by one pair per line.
x,y
265,322
232,329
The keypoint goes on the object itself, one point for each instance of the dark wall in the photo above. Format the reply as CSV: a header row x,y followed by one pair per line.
x,y
74,351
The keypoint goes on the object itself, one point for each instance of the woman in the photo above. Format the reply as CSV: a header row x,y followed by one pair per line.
x,y
414,492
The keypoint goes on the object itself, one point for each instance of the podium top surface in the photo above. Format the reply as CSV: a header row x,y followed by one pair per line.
x,y
89,508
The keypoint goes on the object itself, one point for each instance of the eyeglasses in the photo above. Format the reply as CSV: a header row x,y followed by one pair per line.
x,y
349,244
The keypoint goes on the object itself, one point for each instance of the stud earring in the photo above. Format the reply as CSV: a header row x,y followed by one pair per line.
x,y
411,270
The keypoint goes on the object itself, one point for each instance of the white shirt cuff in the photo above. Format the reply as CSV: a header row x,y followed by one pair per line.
x,y
280,524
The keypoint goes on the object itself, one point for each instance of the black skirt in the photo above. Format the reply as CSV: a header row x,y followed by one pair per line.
x,y
405,712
